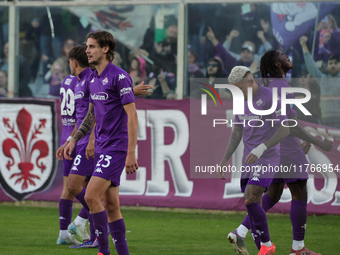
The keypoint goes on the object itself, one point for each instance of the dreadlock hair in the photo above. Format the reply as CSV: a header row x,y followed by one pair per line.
x,y
267,67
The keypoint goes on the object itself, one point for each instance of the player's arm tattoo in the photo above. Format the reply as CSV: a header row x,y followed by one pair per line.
x,y
234,141
277,137
253,194
86,125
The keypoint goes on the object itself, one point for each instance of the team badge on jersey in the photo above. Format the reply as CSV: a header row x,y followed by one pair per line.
x,y
259,102
68,81
105,81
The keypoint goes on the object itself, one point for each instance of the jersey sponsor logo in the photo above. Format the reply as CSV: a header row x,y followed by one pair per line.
x,y
99,96
79,94
249,117
125,91
121,77
105,81
99,170
68,81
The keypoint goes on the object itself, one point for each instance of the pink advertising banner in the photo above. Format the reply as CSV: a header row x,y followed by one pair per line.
x,y
172,142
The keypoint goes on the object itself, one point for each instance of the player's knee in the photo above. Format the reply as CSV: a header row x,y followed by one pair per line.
x,y
90,199
112,208
72,189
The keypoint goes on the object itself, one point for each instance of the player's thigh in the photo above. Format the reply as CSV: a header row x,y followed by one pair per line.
x,y
298,189
97,187
275,191
75,183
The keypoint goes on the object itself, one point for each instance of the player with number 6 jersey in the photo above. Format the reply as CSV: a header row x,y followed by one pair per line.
x,y
69,127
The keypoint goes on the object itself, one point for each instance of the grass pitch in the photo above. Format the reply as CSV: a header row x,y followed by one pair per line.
x,y
34,230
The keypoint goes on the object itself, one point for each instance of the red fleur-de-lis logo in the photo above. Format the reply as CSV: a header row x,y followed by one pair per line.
x,y
25,140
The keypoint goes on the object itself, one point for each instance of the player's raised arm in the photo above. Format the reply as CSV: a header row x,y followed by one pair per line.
x,y
84,128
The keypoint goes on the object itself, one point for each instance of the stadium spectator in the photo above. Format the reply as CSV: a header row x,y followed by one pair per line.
x,y
56,76
326,28
329,85
51,41
260,147
164,84
24,73
117,61
313,105
3,84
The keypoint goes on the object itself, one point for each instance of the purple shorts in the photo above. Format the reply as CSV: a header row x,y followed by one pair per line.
x,y
81,165
68,164
260,173
296,164
110,165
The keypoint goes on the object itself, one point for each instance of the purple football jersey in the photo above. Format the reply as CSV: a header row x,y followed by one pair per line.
x,y
67,106
254,136
291,144
109,91
82,95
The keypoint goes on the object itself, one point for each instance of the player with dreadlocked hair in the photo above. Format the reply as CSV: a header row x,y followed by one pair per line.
x,y
268,67
274,67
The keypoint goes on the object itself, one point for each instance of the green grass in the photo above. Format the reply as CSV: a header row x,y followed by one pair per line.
x,y
34,231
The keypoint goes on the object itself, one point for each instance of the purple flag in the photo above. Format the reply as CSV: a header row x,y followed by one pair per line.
x,y
292,20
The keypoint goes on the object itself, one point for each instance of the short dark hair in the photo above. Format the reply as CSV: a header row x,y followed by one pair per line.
x,y
334,57
78,53
104,38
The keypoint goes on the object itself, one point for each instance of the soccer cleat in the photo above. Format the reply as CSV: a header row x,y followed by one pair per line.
x,y
86,244
303,251
69,240
79,231
238,243
267,250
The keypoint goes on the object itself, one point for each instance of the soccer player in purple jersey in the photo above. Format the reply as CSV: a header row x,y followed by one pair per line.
x,y
66,198
83,165
261,149
113,110
274,67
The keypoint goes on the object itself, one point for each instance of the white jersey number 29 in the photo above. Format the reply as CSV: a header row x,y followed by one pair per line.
x,y
67,104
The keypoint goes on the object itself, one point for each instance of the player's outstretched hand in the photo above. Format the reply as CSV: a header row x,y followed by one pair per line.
x,y
326,145
131,164
251,158
69,149
142,89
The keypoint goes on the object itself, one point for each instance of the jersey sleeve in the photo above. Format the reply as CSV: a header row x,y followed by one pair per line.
x,y
125,90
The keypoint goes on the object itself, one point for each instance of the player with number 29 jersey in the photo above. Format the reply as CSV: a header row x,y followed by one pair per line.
x,y
68,114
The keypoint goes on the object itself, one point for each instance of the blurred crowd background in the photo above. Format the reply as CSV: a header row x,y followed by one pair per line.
x,y
218,36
